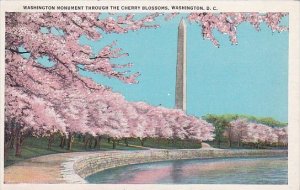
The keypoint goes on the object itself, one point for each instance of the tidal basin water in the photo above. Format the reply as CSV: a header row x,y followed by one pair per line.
x,y
271,170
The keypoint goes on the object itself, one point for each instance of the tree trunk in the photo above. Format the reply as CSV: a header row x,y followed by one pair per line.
x,y
79,137
6,150
108,140
229,142
126,141
18,148
62,141
97,142
158,141
12,141
90,142
86,142
7,142
114,144
70,141
50,141
142,141
18,144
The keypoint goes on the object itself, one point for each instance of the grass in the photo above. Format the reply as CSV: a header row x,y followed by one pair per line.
x,y
234,145
166,144
34,147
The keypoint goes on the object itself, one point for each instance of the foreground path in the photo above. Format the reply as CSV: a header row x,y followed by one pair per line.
x,y
74,167
43,169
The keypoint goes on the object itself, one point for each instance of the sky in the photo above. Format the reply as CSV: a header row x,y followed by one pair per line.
x,y
249,78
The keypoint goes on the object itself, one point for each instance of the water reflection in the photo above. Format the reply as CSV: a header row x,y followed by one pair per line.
x,y
177,170
199,171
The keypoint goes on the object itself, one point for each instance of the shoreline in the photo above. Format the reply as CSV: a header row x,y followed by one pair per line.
x,y
86,166
66,168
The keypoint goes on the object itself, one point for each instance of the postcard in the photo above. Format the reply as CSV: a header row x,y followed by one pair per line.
x,y
149,95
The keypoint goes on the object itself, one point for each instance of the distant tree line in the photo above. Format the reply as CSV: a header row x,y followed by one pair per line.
x,y
245,130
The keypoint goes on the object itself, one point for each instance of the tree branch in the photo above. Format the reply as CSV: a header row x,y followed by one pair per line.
x,y
16,51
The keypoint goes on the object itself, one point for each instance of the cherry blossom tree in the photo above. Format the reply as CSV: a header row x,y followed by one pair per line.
x,y
282,135
44,100
200,130
237,131
25,114
256,133
17,107
68,56
142,122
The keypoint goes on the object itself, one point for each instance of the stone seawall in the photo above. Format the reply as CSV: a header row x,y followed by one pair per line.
x,y
79,168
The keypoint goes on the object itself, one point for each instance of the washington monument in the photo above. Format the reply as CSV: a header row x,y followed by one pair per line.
x,y
180,97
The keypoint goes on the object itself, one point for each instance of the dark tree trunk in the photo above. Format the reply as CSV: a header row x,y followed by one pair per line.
x,y
12,141
70,141
97,142
18,148
50,141
62,141
19,139
7,143
7,140
158,141
229,143
114,144
142,141
229,137
90,142
18,143
126,141
86,142
6,151
108,140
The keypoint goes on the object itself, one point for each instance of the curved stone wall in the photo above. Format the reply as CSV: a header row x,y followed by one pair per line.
x,y
79,168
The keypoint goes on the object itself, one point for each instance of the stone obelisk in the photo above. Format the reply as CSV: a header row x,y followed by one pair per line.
x,y
180,97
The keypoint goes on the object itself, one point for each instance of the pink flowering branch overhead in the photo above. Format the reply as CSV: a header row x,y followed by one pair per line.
x,y
227,23
24,29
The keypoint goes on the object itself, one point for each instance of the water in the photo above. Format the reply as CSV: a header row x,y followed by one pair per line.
x,y
271,170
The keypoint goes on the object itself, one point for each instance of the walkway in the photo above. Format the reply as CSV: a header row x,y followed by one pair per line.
x,y
43,169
